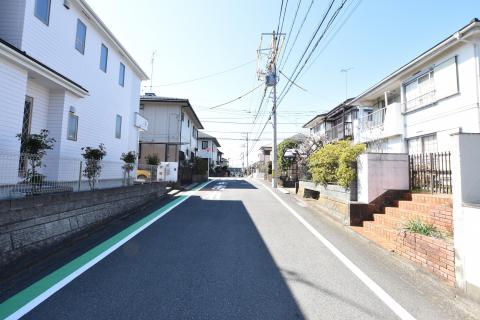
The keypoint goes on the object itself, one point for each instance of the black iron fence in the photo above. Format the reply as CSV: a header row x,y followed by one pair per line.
x,y
431,172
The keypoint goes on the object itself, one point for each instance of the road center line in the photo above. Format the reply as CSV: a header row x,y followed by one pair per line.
x,y
372,285
27,299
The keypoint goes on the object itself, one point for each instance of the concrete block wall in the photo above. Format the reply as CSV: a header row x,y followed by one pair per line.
x,y
33,224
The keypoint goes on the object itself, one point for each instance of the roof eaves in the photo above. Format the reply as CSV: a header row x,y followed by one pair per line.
x,y
474,24
87,9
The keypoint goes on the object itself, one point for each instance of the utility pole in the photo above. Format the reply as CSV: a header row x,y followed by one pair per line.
x,y
247,149
271,80
274,117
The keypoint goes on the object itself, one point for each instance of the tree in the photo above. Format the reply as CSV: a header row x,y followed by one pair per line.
x,y
33,149
93,163
285,163
129,160
333,163
152,159
199,166
305,149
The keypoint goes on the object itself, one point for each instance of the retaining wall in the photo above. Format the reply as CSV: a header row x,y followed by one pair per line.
x,y
33,224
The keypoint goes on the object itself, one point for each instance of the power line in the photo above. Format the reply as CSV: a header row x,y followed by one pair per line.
x,y
332,19
238,98
206,76
298,33
290,31
234,122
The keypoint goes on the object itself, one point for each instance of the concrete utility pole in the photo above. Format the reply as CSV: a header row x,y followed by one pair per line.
x,y
271,80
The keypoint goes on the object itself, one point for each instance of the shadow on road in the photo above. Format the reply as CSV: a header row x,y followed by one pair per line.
x,y
206,260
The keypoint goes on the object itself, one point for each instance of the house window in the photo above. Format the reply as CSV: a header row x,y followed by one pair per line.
x,y
118,127
188,123
193,132
103,58
183,116
80,37
425,144
121,75
438,83
72,127
204,145
42,10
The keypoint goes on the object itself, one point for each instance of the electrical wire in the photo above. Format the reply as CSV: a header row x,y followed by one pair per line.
x,y
289,85
298,33
290,31
238,98
203,77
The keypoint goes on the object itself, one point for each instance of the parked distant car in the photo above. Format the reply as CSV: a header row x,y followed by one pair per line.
x,y
143,174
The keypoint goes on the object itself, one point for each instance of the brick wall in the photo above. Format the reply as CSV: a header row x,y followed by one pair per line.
x,y
435,255
33,224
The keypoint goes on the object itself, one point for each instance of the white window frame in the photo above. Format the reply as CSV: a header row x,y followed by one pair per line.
x,y
432,96
45,20
80,43
118,126
121,75
106,58
74,116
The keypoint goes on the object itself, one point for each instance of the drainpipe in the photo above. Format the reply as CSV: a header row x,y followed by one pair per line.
x,y
476,54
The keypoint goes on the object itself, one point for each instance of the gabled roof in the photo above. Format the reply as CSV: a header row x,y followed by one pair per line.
x,y
473,25
204,136
181,101
95,19
314,121
339,109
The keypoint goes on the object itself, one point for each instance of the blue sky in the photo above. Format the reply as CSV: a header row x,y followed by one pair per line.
x,y
197,38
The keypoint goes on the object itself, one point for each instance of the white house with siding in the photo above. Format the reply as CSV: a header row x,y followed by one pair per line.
x,y
172,129
417,108
208,148
61,69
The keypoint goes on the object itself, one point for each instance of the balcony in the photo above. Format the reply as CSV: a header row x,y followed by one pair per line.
x,y
380,124
339,132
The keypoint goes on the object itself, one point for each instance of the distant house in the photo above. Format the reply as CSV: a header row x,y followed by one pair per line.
x,y
63,70
338,123
172,129
264,153
208,148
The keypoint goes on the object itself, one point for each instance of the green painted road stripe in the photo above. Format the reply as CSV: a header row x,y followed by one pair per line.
x,y
24,297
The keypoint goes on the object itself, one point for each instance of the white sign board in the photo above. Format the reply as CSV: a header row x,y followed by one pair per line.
x,y
140,122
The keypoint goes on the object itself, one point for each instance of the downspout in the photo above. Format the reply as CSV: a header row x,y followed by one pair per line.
x,y
180,143
477,70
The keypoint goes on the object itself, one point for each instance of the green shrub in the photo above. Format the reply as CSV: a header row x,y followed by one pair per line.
x,y
93,163
423,228
282,162
152,159
333,163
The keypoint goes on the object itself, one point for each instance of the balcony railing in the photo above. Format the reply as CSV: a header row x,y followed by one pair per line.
x,y
340,131
375,119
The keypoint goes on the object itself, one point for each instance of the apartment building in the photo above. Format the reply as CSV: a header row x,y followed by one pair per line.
x,y
208,148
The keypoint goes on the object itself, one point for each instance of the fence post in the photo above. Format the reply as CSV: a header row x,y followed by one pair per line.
x,y
80,176
431,173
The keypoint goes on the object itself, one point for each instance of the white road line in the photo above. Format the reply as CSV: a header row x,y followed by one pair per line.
x,y
372,285
59,285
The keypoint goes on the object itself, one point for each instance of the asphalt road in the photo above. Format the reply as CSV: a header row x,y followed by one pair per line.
x,y
234,251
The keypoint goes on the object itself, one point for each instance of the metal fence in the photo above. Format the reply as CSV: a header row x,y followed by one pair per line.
x,y
431,172
22,175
